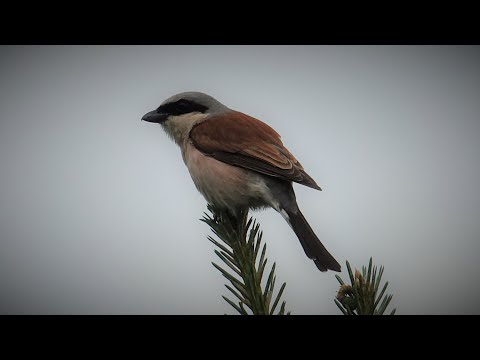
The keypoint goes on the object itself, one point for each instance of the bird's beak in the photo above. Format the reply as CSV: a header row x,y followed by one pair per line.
x,y
155,117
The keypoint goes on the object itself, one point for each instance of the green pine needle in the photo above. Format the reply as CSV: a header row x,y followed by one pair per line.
x,y
361,296
239,246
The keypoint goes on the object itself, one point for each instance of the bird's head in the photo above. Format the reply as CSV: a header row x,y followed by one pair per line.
x,y
178,113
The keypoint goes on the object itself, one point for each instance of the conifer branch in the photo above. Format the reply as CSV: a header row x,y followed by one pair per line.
x,y
361,297
240,242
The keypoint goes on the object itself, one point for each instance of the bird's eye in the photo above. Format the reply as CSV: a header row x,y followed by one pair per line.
x,y
183,106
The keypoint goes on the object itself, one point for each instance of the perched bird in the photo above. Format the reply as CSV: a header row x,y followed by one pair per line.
x,y
239,162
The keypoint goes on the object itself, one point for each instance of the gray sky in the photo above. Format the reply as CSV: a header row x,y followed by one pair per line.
x,y
91,220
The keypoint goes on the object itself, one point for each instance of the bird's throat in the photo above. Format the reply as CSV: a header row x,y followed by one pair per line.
x,y
178,127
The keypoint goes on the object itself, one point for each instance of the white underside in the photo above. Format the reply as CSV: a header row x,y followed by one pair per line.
x,y
227,186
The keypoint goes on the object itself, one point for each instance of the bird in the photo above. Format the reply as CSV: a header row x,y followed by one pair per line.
x,y
238,162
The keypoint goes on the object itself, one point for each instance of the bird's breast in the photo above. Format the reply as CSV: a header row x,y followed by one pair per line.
x,y
225,185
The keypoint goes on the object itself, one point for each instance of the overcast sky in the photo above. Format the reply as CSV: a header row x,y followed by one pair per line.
x,y
98,213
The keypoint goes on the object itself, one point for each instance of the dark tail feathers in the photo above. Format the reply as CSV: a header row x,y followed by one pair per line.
x,y
310,242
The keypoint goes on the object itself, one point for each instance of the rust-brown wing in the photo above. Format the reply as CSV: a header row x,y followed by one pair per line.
x,y
241,140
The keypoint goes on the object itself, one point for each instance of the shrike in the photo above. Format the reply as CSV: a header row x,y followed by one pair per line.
x,y
239,162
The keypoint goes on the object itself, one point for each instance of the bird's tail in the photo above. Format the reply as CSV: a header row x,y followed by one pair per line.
x,y
310,242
